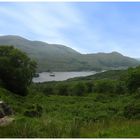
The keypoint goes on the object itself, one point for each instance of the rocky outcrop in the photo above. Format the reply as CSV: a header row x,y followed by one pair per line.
x,y
5,110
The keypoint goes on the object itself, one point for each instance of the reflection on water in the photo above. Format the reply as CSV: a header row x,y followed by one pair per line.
x,y
60,76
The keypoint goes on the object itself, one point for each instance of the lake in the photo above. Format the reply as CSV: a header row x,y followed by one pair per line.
x,y
61,76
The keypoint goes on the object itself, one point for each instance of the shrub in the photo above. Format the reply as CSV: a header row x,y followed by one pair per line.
x,y
137,94
48,90
79,89
89,87
133,80
132,111
105,86
63,89
120,88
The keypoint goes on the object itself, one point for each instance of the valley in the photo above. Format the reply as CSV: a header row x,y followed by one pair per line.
x,y
91,104
69,69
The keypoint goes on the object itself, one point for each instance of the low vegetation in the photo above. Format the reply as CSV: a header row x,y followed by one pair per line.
x,y
93,115
98,106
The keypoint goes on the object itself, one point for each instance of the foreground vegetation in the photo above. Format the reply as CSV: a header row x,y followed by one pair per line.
x,y
95,115
103,105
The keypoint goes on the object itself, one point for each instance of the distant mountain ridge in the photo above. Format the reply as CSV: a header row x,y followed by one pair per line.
x,y
62,58
138,59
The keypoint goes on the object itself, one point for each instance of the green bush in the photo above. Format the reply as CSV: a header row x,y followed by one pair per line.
x,y
137,94
89,87
133,80
132,111
48,90
62,89
105,86
120,88
79,89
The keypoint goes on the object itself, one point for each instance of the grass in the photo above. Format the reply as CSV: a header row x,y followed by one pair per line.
x,y
27,128
92,116
112,129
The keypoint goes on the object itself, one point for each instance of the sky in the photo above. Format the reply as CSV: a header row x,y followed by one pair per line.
x,y
88,27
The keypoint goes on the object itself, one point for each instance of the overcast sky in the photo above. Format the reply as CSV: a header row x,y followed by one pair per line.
x,y
85,27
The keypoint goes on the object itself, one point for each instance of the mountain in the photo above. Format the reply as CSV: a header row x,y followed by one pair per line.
x,y
62,58
138,59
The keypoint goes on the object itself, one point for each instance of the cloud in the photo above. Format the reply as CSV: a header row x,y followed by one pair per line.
x,y
47,21
85,27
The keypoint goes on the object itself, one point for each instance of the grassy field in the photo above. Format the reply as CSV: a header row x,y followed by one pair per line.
x,y
93,115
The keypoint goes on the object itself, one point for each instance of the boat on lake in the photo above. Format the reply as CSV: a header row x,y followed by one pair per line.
x,y
52,74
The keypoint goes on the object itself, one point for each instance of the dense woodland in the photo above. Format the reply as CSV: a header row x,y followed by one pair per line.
x,y
103,105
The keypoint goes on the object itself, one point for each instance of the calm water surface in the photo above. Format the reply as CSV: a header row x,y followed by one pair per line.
x,y
61,76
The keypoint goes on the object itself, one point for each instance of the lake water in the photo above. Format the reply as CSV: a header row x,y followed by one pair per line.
x,y
60,76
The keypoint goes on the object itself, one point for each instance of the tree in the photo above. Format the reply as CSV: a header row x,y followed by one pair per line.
x,y
105,86
63,89
89,87
79,89
16,69
48,90
120,87
133,79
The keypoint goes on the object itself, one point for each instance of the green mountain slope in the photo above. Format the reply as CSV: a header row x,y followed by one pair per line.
x,y
61,58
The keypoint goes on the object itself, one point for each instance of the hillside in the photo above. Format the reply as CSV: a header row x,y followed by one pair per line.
x,y
57,110
110,74
61,58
